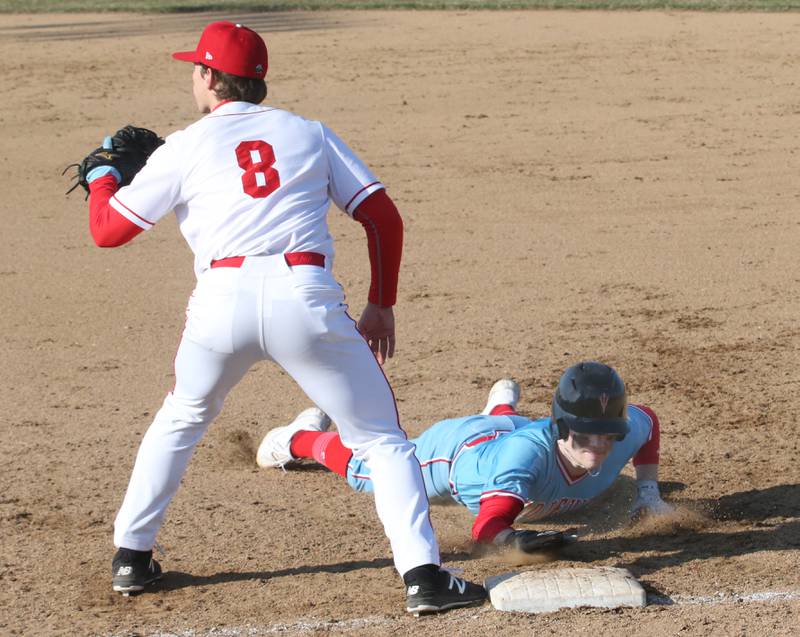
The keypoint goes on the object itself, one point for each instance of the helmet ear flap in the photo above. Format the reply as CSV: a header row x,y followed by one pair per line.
x,y
563,430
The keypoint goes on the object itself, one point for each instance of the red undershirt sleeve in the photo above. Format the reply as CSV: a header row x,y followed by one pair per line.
x,y
496,514
384,228
649,451
109,228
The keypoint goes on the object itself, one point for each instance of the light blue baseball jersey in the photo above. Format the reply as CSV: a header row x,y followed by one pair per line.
x,y
477,457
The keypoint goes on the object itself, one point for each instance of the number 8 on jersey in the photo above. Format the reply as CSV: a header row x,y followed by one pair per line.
x,y
256,159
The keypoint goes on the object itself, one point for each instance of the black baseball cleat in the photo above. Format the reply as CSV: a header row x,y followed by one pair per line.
x,y
431,589
133,570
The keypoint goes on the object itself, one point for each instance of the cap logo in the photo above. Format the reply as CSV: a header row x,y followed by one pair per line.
x,y
209,56
604,402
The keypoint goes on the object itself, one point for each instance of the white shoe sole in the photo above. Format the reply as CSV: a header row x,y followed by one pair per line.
x,y
504,392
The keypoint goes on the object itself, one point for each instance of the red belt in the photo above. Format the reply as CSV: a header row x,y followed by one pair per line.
x,y
292,258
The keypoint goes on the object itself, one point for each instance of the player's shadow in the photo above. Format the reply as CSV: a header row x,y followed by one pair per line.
x,y
756,505
309,467
771,514
174,580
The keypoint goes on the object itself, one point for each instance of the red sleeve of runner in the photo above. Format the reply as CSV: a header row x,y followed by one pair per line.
x,y
649,451
109,228
496,514
384,228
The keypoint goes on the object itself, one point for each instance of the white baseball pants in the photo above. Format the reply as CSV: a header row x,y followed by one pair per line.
x,y
295,316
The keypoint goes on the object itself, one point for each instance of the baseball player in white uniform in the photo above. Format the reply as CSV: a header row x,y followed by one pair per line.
x,y
506,468
251,186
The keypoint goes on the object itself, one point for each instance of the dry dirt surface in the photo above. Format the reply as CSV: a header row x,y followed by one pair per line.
x,y
618,186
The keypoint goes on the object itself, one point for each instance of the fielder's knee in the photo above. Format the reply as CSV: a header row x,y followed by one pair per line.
x,y
189,412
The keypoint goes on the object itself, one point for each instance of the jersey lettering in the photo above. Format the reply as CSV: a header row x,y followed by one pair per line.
x,y
256,159
536,510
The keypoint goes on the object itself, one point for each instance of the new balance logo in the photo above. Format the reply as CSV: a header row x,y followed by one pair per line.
x,y
125,570
413,590
460,583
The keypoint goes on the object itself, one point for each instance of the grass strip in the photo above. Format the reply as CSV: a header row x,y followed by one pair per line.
x,y
187,6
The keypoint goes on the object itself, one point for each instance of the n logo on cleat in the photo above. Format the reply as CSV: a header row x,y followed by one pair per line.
x,y
460,583
125,570
413,590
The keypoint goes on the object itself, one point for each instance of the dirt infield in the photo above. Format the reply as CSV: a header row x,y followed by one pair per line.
x,y
620,186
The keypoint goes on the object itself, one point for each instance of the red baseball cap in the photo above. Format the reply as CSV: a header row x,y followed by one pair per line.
x,y
230,48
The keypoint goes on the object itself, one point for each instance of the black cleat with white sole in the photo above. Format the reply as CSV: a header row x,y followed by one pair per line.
x,y
133,570
431,589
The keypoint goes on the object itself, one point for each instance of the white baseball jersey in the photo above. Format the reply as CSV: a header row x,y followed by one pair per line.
x,y
237,194
256,182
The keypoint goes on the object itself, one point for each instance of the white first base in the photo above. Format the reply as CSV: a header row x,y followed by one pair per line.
x,y
549,590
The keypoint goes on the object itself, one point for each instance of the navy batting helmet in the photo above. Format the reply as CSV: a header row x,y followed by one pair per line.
x,y
591,399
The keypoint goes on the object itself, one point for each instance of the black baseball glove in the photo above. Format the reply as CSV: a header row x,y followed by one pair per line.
x,y
126,150
532,541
